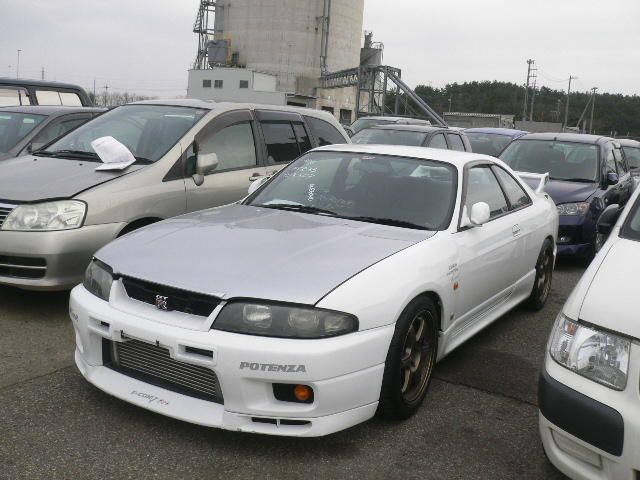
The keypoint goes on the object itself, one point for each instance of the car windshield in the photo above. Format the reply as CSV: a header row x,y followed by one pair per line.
x,y
388,190
148,131
15,126
385,136
363,123
562,160
633,157
488,143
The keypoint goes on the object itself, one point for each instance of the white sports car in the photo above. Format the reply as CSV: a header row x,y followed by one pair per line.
x,y
589,399
324,297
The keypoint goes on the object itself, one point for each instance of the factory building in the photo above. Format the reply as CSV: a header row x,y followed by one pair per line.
x,y
276,51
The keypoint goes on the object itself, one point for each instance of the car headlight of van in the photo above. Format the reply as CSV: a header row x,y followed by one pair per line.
x,y
283,321
573,209
49,216
98,279
594,354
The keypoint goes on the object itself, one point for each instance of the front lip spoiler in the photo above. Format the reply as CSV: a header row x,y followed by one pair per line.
x,y
581,416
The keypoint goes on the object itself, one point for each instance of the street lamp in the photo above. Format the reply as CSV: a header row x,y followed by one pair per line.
x,y
18,65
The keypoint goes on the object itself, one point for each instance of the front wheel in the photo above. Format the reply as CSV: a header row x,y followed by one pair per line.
x,y
410,360
544,274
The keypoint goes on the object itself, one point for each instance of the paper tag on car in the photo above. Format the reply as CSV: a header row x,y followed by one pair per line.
x,y
114,155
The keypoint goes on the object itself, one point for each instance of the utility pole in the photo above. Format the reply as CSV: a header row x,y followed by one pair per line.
x,y
449,104
534,78
18,65
566,107
94,89
526,91
106,95
593,103
42,73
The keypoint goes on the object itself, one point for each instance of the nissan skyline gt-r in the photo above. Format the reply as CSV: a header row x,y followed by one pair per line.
x,y
324,297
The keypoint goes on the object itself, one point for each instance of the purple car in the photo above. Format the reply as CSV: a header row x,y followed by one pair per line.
x,y
587,174
492,141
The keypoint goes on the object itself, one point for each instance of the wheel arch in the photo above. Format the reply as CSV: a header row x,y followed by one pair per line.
x,y
136,224
435,298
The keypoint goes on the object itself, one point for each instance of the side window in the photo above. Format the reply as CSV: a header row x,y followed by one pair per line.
x,y
482,186
326,133
70,99
57,130
622,166
609,160
12,97
438,141
234,145
282,144
518,198
48,97
455,142
303,137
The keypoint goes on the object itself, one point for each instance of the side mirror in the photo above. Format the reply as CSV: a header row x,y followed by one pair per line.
x,y
612,178
32,147
205,164
257,184
608,219
349,131
480,214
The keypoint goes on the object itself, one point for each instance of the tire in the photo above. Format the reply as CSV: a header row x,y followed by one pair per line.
x,y
544,276
410,360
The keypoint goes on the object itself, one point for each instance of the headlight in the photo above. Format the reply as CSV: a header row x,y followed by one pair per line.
x,y
273,320
61,215
98,279
573,209
599,356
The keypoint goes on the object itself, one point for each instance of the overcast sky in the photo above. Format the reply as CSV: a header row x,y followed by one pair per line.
x,y
146,46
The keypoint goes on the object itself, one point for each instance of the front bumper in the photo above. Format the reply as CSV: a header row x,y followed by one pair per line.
x,y
590,431
344,372
576,235
51,260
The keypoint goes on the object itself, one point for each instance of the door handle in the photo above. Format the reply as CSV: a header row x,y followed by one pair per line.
x,y
255,176
516,230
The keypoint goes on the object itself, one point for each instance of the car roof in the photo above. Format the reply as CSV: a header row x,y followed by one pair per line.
x,y
627,142
567,137
409,128
511,132
454,157
38,83
393,119
49,110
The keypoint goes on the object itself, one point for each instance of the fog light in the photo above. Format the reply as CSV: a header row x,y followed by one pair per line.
x,y
302,393
564,240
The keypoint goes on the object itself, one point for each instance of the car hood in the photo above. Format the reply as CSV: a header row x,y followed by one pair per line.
x,y
566,192
249,252
610,301
31,179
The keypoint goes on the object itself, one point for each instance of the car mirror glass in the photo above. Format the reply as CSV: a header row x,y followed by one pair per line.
x,y
608,219
612,178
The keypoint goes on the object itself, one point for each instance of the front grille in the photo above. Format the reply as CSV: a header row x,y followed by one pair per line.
x,y
153,364
177,300
22,267
5,210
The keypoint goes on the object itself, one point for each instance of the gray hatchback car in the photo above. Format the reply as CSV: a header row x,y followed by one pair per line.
x,y
57,207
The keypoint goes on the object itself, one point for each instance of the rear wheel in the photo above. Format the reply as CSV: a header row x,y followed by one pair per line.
x,y
544,275
410,360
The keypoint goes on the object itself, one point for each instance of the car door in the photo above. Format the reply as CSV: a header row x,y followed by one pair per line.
x,y
624,174
486,254
234,139
285,138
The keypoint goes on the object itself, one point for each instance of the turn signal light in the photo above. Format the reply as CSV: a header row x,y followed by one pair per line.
x,y
287,392
303,393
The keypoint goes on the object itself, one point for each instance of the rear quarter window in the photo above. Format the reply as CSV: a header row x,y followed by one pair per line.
x,y
326,133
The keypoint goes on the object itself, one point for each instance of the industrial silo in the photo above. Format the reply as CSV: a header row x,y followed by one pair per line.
x,y
297,40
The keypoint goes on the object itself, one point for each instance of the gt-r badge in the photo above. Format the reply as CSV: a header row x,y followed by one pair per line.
x,y
162,303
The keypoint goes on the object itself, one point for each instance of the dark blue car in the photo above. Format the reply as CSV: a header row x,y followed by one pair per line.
x,y
491,141
587,173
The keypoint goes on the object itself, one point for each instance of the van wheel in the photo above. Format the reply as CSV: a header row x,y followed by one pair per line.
x,y
410,360
544,275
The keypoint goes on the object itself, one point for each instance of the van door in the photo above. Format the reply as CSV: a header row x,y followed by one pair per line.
x,y
285,138
234,139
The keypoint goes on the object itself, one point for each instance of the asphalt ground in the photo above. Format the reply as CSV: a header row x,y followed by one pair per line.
x,y
479,420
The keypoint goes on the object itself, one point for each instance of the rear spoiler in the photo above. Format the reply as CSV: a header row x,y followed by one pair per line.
x,y
541,178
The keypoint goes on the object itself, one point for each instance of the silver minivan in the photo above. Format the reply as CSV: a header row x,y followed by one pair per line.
x,y
58,206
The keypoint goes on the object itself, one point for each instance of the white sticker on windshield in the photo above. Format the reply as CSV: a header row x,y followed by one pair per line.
x,y
113,154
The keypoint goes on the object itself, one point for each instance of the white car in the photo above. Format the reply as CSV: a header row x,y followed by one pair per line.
x,y
324,297
589,389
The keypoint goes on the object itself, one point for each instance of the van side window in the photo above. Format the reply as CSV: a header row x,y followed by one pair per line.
x,y
234,145
438,141
303,137
282,144
326,133
70,99
48,97
455,142
622,166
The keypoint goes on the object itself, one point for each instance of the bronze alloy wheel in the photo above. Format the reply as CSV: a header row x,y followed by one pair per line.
x,y
545,273
418,358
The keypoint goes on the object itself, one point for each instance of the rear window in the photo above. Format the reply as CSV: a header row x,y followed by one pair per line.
x,y
488,143
326,133
375,136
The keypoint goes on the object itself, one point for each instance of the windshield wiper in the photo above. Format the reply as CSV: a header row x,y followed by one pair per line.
x,y
144,161
297,208
70,154
388,221
583,180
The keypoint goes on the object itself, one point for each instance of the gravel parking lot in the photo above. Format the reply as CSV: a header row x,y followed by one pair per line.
x,y
479,419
